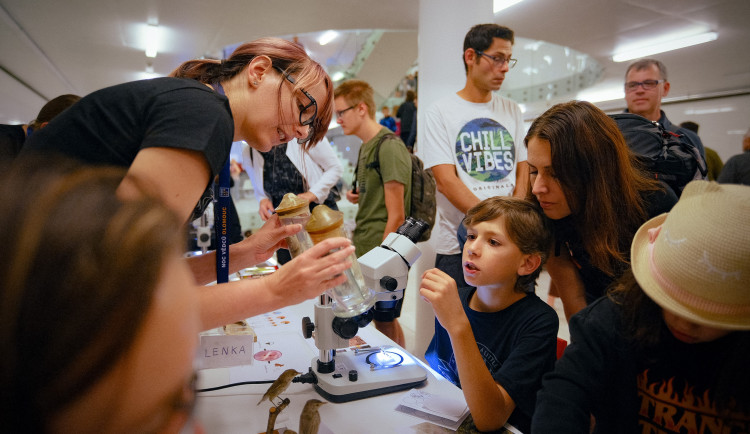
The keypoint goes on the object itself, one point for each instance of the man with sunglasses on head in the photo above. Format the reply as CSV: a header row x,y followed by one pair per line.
x,y
474,141
645,85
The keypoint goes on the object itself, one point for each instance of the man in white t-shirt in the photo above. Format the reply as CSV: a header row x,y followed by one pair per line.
x,y
474,141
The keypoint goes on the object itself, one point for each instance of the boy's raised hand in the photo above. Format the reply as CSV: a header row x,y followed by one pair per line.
x,y
440,290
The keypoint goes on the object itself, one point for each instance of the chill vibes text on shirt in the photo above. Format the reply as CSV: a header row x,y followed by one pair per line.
x,y
485,150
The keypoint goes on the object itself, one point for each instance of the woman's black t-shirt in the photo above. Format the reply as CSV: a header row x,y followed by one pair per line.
x,y
110,126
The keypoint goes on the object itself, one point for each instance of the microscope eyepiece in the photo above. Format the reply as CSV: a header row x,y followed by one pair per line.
x,y
412,229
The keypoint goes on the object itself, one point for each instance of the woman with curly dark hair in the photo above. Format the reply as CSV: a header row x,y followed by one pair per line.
x,y
588,183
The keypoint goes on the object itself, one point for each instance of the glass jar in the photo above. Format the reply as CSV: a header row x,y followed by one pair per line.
x,y
352,297
295,210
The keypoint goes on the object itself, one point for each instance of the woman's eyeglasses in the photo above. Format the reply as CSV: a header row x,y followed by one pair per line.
x,y
307,112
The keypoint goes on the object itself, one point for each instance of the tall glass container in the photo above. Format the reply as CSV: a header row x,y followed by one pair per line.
x,y
352,297
295,210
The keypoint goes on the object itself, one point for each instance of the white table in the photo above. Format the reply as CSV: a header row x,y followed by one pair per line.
x,y
235,410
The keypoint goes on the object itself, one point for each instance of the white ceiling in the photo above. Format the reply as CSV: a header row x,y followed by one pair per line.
x,y
599,27
78,46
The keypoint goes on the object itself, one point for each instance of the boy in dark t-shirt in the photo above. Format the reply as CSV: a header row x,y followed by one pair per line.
x,y
496,338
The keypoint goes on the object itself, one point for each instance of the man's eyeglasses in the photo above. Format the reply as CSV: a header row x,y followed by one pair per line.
x,y
341,112
308,112
631,86
498,60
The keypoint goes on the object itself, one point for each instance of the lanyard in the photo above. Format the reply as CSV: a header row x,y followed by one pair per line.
x,y
221,218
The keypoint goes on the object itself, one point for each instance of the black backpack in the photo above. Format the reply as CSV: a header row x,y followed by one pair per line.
x,y
423,205
671,157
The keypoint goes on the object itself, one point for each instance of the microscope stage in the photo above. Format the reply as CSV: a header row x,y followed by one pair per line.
x,y
338,387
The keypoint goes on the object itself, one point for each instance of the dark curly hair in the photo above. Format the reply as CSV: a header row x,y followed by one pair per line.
x,y
479,38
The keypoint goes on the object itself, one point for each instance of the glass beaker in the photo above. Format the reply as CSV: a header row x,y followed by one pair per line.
x,y
352,297
295,210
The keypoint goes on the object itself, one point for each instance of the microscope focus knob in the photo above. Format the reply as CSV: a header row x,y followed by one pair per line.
x,y
307,327
345,327
364,318
389,283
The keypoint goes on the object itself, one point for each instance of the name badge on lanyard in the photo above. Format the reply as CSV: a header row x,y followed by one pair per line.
x,y
221,218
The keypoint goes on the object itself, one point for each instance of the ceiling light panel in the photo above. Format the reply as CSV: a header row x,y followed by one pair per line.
x,y
662,45
151,35
327,37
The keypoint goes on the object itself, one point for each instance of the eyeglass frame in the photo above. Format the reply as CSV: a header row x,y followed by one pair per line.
x,y
312,103
340,113
495,60
643,84
181,402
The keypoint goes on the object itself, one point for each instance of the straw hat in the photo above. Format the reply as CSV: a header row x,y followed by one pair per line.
x,y
697,264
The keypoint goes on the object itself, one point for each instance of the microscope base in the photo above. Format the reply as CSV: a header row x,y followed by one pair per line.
x,y
369,382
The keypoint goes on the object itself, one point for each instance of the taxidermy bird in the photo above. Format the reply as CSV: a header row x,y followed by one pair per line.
x,y
309,420
279,386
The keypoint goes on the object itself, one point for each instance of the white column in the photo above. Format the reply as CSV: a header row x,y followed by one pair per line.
x,y
442,27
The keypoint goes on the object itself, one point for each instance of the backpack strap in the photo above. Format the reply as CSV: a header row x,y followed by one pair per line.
x,y
374,164
691,147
